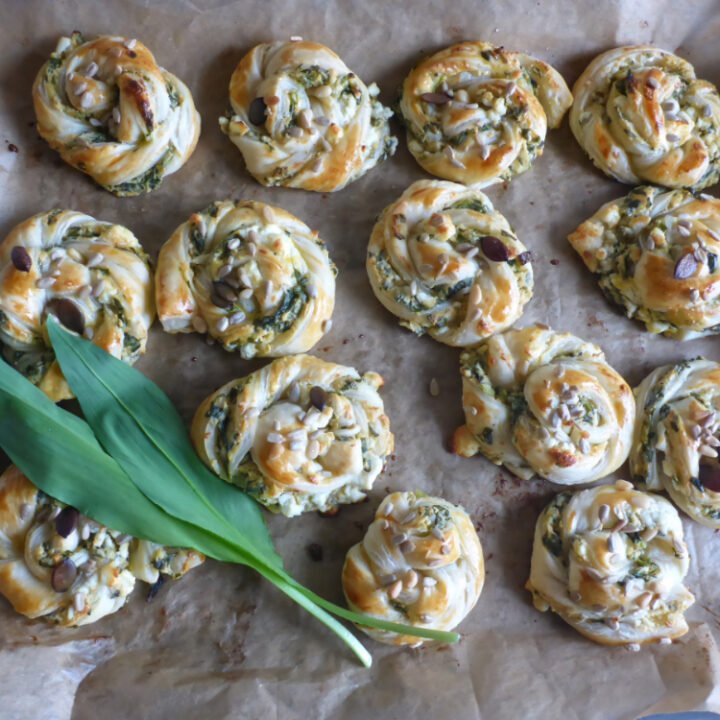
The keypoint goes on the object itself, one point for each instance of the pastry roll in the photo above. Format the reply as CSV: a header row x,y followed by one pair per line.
x,y
93,276
420,563
446,263
111,111
656,254
478,114
301,434
545,403
302,119
611,562
59,565
675,445
642,116
252,276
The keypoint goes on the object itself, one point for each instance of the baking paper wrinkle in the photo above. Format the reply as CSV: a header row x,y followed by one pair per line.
x,y
222,643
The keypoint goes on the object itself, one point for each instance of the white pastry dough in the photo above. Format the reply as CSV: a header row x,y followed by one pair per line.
x,y
545,403
301,434
252,276
478,114
74,578
111,111
642,116
675,445
93,276
656,254
611,562
420,563
447,264
302,119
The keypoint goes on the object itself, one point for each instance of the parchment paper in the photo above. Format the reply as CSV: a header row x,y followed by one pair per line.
x,y
223,644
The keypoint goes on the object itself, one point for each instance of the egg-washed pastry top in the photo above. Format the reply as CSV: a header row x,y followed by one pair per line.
x,y
656,254
93,276
545,403
111,111
300,434
611,562
301,118
445,262
675,445
252,276
420,563
62,567
643,117
478,114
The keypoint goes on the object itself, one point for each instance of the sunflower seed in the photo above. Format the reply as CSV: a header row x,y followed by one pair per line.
x,y
435,98
652,82
604,513
643,600
224,270
679,548
648,534
130,44
614,543
237,318
322,92
672,137
86,100
305,119
95,259
295,131
275,438
45,282
389,509
706,111
411,579
268,214
222,324
613,623
429,581
91,70
624,485
708,451
707,420
79,602
387,580
407,547
399,539
313,449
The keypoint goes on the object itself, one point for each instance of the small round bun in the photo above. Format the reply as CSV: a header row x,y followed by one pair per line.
x,y
446,263
302,119
111,111
545,403
675,445
478,114
643,117
611,562
420,563
300,434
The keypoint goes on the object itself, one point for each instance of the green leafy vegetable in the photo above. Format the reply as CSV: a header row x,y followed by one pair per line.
x,y
135,472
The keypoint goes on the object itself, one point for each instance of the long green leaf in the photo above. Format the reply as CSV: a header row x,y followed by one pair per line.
x,y
173,475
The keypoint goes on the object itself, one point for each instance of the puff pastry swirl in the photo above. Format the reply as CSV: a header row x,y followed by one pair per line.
x,y
642,116
656,254
445,262
545,403
675,444
60,566
478,114
93,276
300,434
111,111
420,563
302,119
252,276
611,562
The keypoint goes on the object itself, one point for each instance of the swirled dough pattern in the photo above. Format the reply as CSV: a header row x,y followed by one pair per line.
x,y
420,563
302,119
60,566
93,276
478,114
111,111
642,116
611,562
446,263
252,276
675,445
301,434
656,254
545,403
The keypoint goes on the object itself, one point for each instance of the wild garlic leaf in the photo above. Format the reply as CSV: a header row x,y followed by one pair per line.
x,y
138,425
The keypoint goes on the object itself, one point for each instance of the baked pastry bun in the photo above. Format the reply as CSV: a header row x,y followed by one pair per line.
x,y
92,275
302,119
611,562
656,254
445,262
111,111
59,565
478,114
643,117
675,444
545,403
252,276
300,434
420,563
